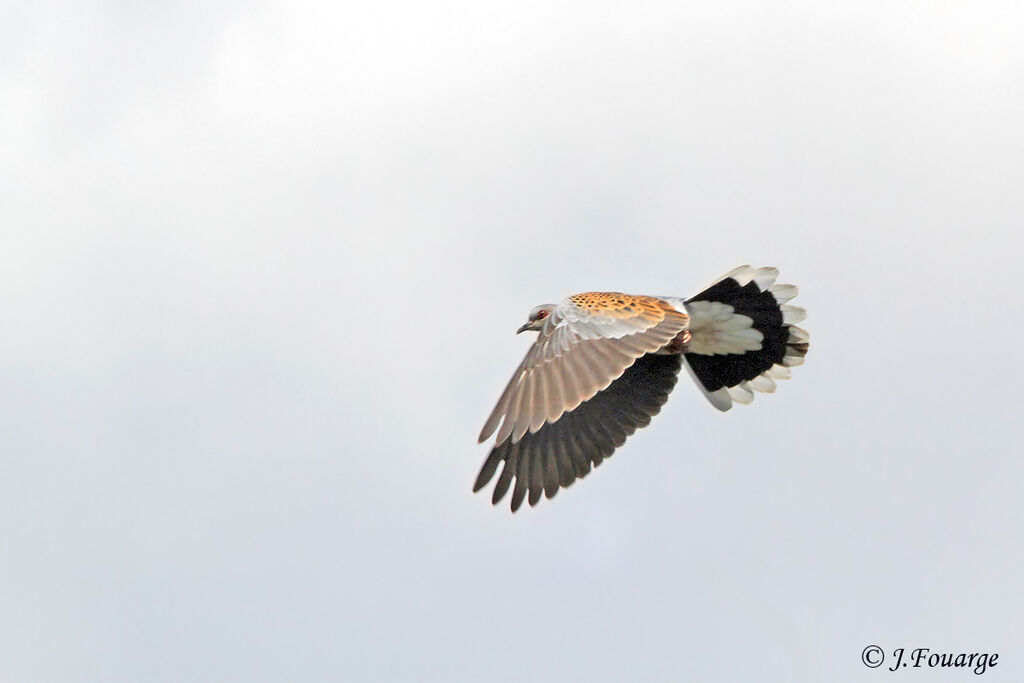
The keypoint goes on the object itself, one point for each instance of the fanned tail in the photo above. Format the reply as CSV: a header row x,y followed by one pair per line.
x,y
744,335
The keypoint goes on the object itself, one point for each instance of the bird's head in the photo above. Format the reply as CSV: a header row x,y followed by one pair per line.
x,y
537,317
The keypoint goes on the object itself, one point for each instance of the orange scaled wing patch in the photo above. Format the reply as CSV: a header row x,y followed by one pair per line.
x,y
619,305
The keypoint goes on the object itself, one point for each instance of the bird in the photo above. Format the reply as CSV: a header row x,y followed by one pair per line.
x,y
604,363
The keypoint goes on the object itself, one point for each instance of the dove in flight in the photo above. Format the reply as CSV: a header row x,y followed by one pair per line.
x,y
604,363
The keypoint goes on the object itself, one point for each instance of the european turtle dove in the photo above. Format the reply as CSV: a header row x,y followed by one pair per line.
x,y
604,363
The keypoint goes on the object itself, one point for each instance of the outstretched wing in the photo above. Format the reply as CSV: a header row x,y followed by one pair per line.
x,y
586,343
563,451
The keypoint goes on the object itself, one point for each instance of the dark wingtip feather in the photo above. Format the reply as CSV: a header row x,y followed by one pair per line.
x,y
505,478
536,479
522,469
551,478
489,468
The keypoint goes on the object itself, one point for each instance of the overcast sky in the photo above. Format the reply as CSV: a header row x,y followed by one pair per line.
x,y
261,265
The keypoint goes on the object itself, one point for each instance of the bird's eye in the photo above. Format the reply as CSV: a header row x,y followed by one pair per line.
x,y
541,315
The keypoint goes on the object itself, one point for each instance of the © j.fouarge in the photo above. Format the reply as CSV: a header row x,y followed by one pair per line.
x,y
979,662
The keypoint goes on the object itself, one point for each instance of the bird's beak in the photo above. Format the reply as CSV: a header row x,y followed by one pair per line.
x,y
524,328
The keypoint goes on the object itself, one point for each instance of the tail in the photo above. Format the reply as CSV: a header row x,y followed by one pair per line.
x,y
743,336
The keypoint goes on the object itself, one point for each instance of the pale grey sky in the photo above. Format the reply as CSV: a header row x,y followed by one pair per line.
x,y
260,269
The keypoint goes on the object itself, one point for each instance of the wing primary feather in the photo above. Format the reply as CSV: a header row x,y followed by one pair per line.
x,y
571,391
551,477
601,375
507,472
580,373
536,477
499,410
490,466
539,409
600,443
566,470
556,398
605,440
511,423
617,430
524,406
580,462
627,418
522,479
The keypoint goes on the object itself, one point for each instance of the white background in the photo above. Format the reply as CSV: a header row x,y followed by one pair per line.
x,y
260,269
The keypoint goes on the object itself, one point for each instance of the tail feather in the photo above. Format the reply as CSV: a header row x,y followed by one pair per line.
x,y
743,335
